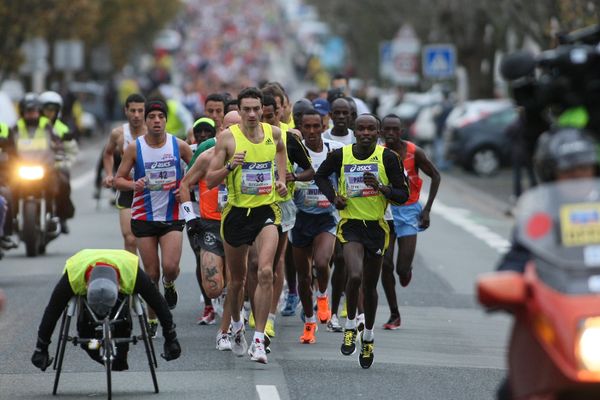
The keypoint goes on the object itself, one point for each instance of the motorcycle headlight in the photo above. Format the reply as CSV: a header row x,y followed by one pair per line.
x,y
588,346
31,172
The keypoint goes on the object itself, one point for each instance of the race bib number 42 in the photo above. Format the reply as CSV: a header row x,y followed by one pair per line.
x,y
257,178
162,175
355,185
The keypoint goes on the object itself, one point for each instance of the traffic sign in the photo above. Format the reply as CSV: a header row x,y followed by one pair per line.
x,y
439,61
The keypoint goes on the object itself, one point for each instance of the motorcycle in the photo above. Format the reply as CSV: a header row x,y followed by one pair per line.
x,y
554,348
34,179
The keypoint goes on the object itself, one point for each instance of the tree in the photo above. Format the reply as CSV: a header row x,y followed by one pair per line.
x,y
120,24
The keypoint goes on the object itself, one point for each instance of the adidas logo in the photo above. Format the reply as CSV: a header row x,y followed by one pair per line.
x,y
378,252
269,221
269,141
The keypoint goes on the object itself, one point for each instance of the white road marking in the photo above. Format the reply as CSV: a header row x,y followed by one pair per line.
x,y
267,392
83,180
460,218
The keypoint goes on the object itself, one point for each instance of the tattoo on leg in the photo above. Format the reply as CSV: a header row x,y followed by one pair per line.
x,y
210,276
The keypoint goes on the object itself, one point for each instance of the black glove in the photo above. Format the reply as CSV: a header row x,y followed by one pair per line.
x,y
40,357
172,349
194,226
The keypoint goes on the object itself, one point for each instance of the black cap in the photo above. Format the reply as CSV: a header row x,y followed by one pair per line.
x,y
155,105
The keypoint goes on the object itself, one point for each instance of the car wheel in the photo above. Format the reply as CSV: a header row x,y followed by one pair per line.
x,y
485,161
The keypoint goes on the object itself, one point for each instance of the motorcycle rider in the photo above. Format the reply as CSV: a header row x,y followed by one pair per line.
x,y
52,104
566,154
33,133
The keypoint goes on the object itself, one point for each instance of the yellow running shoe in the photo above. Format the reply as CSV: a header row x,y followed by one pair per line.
x,y
270,328
344,313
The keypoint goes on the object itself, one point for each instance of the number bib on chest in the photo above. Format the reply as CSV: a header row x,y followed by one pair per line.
x,y
257,178
162,175
312,195
355,186
222,196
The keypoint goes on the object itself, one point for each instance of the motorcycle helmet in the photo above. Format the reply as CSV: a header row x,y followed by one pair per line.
x,y
103,290
561,150
28,102
51,97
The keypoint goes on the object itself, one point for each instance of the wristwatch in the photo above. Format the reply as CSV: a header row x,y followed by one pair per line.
x,y
228,166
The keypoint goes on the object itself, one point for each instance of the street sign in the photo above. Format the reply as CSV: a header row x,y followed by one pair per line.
x,y
68,55
439,61
399,58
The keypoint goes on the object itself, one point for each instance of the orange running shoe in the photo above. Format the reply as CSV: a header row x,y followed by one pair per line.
x,y
323,310
308,337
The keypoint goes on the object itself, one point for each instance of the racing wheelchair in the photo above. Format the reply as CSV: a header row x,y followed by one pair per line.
x,y
104,340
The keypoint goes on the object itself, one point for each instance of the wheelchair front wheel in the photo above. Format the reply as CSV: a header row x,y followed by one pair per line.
x,y
149,350
108,355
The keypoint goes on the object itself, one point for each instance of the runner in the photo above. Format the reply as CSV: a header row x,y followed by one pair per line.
x,y
206,239
369,176
340,115
409,218
118,141
214,108
156,159
247,156
313,236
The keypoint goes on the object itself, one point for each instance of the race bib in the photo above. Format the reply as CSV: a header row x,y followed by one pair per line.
x,y
313,196
257,178
355,186
222,197
162,175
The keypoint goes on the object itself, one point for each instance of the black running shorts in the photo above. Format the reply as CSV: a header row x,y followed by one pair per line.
x,y
209,239
155,228
241,226
373,235
124,198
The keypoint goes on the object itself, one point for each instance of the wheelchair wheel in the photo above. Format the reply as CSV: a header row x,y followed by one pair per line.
x,y
150,340
108,355
60,351
62,327
149,349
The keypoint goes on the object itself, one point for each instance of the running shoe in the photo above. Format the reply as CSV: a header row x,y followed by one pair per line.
x,y
393,323
257,351
405,277
209,317
152,327
349,345
251,322
360,322
291,303
170,295
223,341
270,328
308,337
366,356
344,312
267,343
323,311
334,324
239,346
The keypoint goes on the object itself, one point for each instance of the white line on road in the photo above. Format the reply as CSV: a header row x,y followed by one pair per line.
x,y
267,392
460,218
83,180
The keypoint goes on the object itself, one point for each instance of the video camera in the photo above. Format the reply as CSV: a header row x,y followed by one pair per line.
x,y
556,80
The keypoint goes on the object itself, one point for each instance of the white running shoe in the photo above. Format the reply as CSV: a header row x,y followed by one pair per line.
x,y
223,342
334,324
239,346
257,351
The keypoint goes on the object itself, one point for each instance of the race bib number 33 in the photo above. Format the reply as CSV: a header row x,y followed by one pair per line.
x,y
257,178
355,185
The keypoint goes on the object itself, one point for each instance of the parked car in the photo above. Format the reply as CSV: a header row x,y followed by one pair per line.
x,y
477,141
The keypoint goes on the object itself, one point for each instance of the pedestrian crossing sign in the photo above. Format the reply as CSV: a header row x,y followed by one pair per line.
x,y
439,61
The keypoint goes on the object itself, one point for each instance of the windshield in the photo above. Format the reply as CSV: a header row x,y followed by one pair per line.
x,y
560,224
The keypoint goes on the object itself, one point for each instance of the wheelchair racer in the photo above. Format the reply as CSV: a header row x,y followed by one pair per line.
x,y
102,276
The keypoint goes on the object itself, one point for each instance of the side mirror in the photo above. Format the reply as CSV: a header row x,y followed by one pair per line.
x,y
502,290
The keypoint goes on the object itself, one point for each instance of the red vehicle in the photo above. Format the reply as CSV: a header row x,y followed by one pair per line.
x,y
554,349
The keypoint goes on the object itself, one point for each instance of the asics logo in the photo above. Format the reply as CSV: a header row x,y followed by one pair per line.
x,y
361,168
161,164
258,165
